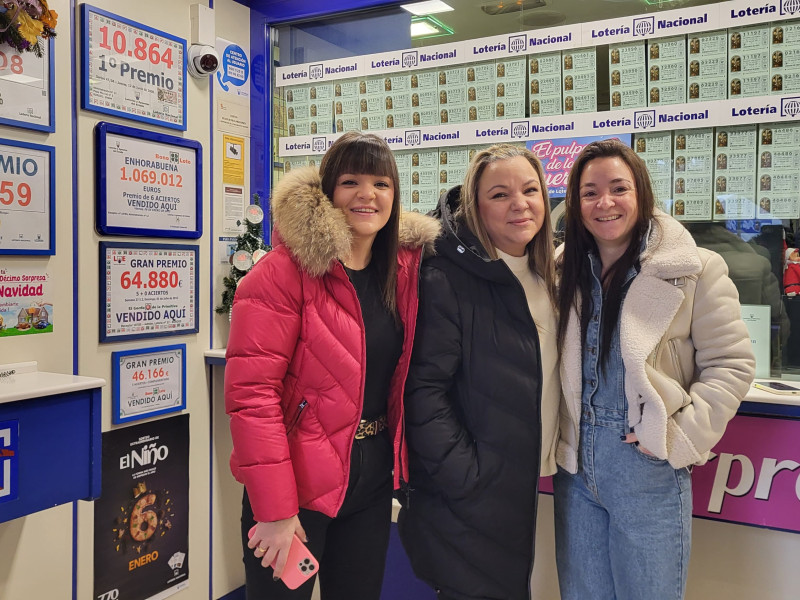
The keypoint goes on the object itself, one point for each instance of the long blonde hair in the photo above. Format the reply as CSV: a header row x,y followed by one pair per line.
x,y
540,248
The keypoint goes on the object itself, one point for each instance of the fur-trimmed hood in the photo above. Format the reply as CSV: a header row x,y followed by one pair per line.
x,y
317,234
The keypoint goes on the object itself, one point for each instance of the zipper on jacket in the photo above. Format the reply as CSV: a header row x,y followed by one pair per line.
x,y
300,408
539,412
405,486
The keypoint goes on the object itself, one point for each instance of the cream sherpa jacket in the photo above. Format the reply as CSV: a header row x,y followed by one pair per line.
x,y
686,351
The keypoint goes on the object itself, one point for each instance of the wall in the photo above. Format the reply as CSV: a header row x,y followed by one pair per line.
x,y
45,554
22,541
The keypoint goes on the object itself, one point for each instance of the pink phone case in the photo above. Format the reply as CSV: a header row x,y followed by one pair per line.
x,y
300,565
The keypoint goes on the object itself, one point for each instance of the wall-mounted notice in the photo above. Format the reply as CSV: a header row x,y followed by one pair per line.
x,y
233,75
26,301
132,71
232,89
147,290
26,84
141,521
148,382
148,183
27,196
757,319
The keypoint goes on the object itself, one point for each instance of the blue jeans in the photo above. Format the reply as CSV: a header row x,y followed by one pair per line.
x,y
623,521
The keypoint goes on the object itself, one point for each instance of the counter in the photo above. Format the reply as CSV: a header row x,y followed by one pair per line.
x,y
50,439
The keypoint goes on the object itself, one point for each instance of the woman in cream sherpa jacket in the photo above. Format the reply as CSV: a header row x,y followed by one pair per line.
x,y
655,359
687,354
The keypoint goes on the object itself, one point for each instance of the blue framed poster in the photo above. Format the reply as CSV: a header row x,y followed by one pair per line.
x,y
148,183
148,382
132,71
27,198
26,88
147,290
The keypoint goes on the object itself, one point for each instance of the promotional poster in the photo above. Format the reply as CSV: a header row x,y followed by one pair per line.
x,y
26,301
27,196
558,156
148,290
141,521
132,71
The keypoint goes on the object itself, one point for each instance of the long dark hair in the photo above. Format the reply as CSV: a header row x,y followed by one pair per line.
x,y
575,290
540,248
367,154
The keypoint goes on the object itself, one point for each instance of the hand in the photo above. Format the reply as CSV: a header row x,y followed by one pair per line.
x,y
632,439
271,542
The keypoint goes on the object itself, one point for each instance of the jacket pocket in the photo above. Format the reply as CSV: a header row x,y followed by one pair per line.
x,y
300,408
672,348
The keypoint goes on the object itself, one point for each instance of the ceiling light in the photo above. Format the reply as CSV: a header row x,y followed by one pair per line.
x,y
429,7
501,8
428,27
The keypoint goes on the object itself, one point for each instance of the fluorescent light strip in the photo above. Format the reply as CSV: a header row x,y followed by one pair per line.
x,y
429,7
422,28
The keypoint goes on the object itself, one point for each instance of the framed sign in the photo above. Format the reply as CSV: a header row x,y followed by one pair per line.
x,y
27,198
148,382
26,88
132,71
148,183
147,290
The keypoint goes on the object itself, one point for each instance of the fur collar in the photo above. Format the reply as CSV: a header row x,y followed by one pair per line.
x,y
317,234
671,251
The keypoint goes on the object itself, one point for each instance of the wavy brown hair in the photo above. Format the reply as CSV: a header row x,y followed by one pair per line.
x,y
540,248
367,154
575,290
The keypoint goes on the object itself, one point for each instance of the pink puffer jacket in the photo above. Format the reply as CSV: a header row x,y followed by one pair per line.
x,y
296,356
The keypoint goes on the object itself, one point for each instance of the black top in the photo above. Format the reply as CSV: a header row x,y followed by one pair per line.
x,y
384,336
472,422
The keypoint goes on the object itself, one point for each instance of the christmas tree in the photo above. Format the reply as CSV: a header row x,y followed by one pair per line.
x,y
250,248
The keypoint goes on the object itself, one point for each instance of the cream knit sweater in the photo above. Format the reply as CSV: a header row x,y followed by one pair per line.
x,y
545,318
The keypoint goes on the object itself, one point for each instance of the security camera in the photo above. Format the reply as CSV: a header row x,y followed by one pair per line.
x,y
203,60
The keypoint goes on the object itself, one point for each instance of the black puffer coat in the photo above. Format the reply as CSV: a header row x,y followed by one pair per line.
x,y
473,423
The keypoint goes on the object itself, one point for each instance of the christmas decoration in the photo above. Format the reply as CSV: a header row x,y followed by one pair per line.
x,y
250,247
25,23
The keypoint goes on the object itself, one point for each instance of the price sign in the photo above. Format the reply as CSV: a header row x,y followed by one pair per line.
x,y
133,71
148,183
27,192
147,290
148,382
26,84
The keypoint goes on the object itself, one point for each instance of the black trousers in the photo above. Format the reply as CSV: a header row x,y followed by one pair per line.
x,y
351,548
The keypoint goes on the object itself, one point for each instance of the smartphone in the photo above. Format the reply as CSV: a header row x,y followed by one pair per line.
x,y
777,387
300,565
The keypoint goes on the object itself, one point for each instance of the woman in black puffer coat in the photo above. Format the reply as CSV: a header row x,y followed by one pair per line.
x,y
482,392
